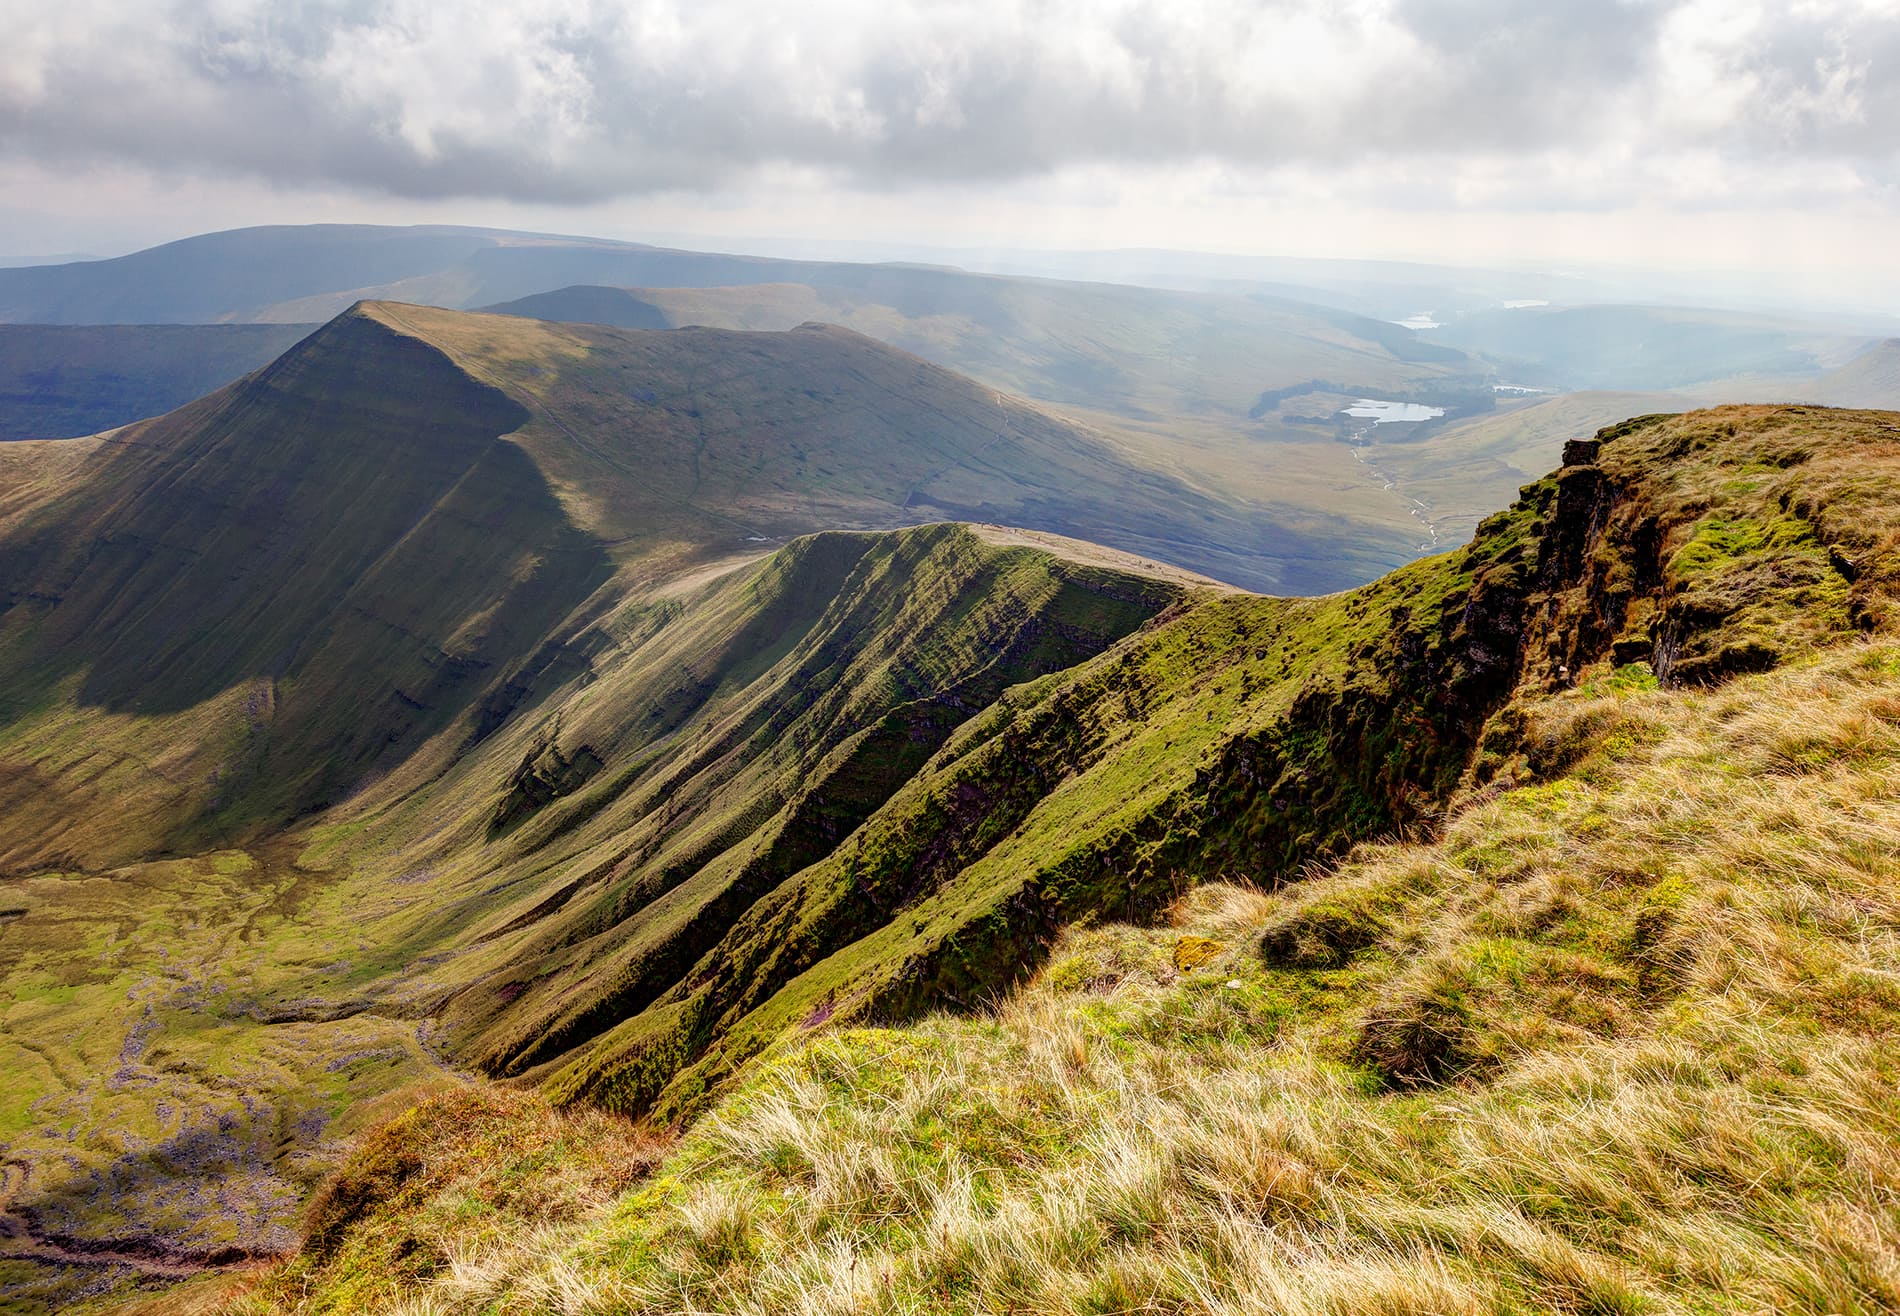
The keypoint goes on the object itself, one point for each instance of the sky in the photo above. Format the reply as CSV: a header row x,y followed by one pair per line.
x,y
1663,133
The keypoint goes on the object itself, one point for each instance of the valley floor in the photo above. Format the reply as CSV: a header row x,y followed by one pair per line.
x,y
1619,1040
168,1095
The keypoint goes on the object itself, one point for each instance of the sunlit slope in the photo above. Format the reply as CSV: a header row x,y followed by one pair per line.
x,y
1136,352
228,616
1611,1031
33,472
1247,734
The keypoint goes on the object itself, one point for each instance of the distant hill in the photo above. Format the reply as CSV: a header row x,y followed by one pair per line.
x,y
1135,352
1101,345
1642,347
58,381
729,434
1871,379
1237,396
237,275
1175,379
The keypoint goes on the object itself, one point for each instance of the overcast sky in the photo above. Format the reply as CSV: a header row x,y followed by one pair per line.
x,y
1647,131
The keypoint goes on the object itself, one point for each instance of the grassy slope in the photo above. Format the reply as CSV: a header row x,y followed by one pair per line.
x,y
880,823
1132,351
1617,1036
1172,379
34,472
743,731
60,380
723,434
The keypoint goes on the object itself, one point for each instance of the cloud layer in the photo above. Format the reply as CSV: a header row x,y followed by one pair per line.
x,y
1531,102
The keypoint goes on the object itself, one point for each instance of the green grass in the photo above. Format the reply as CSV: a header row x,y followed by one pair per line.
x,y
875,776
142,1096
1615,1047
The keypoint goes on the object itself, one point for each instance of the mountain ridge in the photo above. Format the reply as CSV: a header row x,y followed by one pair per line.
x,y
787,817
538,717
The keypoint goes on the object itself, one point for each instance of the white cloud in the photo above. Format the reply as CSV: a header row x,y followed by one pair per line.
x,y
1505,103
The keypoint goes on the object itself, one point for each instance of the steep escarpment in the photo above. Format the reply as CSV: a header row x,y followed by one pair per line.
x,y
240,613
278,589
729,747
1251,736
721,802
1560,974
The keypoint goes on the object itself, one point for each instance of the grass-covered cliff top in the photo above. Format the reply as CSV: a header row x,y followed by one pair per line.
x,y
1618,1041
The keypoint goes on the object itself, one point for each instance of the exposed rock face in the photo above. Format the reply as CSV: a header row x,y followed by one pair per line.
x,y
541,779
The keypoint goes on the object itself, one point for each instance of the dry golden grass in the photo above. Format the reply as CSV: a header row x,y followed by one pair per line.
x,y
1622,1040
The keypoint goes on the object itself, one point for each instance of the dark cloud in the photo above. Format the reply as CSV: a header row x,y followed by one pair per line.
x,y
581,100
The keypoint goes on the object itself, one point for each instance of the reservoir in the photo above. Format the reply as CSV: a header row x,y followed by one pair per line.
x,y
1390,413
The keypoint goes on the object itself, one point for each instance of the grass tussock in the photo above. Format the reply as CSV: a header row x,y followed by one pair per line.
x,y
1618,1041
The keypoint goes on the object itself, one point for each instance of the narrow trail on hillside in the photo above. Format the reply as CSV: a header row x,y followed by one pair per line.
x,y
1418,510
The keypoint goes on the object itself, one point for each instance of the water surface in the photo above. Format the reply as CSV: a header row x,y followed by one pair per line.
x,y
1392,413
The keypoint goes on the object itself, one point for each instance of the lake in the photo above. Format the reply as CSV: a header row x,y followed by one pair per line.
x,y
1392,413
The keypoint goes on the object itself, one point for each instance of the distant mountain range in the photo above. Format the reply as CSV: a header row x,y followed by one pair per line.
x,y
1236,394
63,381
